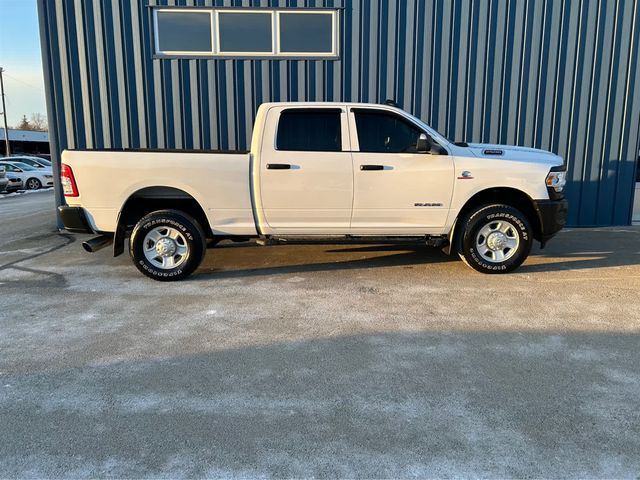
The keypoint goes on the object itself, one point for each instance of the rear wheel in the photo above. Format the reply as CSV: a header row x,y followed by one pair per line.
x,y
167,245
496,239
33,184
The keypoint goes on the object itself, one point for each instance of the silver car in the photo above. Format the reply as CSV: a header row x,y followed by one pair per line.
x,y
15,182
3,179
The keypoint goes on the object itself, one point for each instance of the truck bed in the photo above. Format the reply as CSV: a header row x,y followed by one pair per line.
x,y
217,180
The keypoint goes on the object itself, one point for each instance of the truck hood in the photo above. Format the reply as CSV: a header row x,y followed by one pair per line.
x,y
512,153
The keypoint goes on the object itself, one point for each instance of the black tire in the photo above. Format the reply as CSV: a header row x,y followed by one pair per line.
x,y
191,238
475,245
33,184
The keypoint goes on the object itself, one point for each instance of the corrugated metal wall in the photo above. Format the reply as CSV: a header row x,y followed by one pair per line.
x,y
557,75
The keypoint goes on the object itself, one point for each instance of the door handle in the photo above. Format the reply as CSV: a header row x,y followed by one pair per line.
x,y
371,167
278,166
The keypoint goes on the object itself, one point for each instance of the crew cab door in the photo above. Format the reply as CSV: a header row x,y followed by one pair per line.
x,y
306,171
397,190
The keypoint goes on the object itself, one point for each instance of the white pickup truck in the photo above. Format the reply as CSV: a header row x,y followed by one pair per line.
x,y
318,171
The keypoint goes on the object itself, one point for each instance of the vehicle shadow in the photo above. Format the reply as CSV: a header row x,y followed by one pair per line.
x,y
572,249
247,259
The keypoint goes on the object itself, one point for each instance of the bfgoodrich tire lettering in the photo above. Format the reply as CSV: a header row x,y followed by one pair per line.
x,y
182,236
496,239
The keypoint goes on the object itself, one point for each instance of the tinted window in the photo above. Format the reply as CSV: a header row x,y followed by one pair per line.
x,y
382,132
245,32
24,166
306,32
184,31
309,131
28,161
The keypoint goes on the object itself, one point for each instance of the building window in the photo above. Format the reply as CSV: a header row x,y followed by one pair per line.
x,y
309,130
305,32
185,32
223,32
242,32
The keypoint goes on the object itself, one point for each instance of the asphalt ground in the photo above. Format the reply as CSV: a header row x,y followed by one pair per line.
x,y
317,360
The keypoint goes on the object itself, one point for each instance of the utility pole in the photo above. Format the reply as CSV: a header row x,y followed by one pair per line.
x,y
4,115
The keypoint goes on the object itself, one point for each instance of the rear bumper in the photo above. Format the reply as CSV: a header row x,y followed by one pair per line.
x,y
553,217
74,219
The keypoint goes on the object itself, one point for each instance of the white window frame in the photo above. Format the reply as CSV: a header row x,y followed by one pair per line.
x,y
178,52
334,33
275,33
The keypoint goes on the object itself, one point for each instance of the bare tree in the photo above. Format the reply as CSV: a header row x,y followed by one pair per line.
x,y
38,122
24,124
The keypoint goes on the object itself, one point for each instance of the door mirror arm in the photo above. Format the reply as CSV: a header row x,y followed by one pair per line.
x,y
437,149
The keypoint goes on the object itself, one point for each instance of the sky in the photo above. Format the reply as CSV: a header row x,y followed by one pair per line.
x,y
20,58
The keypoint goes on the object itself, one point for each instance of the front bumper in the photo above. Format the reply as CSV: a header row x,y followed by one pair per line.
x,y
74,219
553,217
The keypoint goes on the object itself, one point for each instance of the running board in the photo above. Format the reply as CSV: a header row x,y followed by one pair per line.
x,y
429,240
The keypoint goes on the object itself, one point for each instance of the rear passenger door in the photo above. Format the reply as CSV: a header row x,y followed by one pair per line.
x,y
306,172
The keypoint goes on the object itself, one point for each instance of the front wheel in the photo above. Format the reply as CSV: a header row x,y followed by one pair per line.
x,y
167,245
496,239
34,184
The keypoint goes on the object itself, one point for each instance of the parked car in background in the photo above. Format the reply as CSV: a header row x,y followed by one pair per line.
x,y
36,162
44,156
3,179
32,178
15,183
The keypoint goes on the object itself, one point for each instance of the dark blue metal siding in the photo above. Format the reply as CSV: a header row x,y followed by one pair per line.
x,y
558,75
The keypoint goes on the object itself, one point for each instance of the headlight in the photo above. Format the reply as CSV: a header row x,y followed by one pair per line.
x,y
557,180
48,176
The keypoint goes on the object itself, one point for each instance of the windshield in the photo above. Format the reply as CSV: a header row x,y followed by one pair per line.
x,y
23,166
35,162
29,161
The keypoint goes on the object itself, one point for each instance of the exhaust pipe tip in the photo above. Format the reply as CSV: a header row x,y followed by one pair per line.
x,y
97,243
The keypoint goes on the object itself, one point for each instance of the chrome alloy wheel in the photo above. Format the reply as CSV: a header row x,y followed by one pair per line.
x,y
497,241
165,247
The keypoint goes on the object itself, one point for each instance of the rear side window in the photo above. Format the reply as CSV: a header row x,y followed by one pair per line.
x,y
382,132
307,130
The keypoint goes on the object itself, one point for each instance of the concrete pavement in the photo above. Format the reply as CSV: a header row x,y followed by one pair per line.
x,y
318,361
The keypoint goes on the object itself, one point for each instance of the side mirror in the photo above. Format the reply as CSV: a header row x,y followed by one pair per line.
x,y
423,145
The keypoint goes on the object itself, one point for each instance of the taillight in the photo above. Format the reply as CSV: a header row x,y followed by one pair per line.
x,y
69,186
